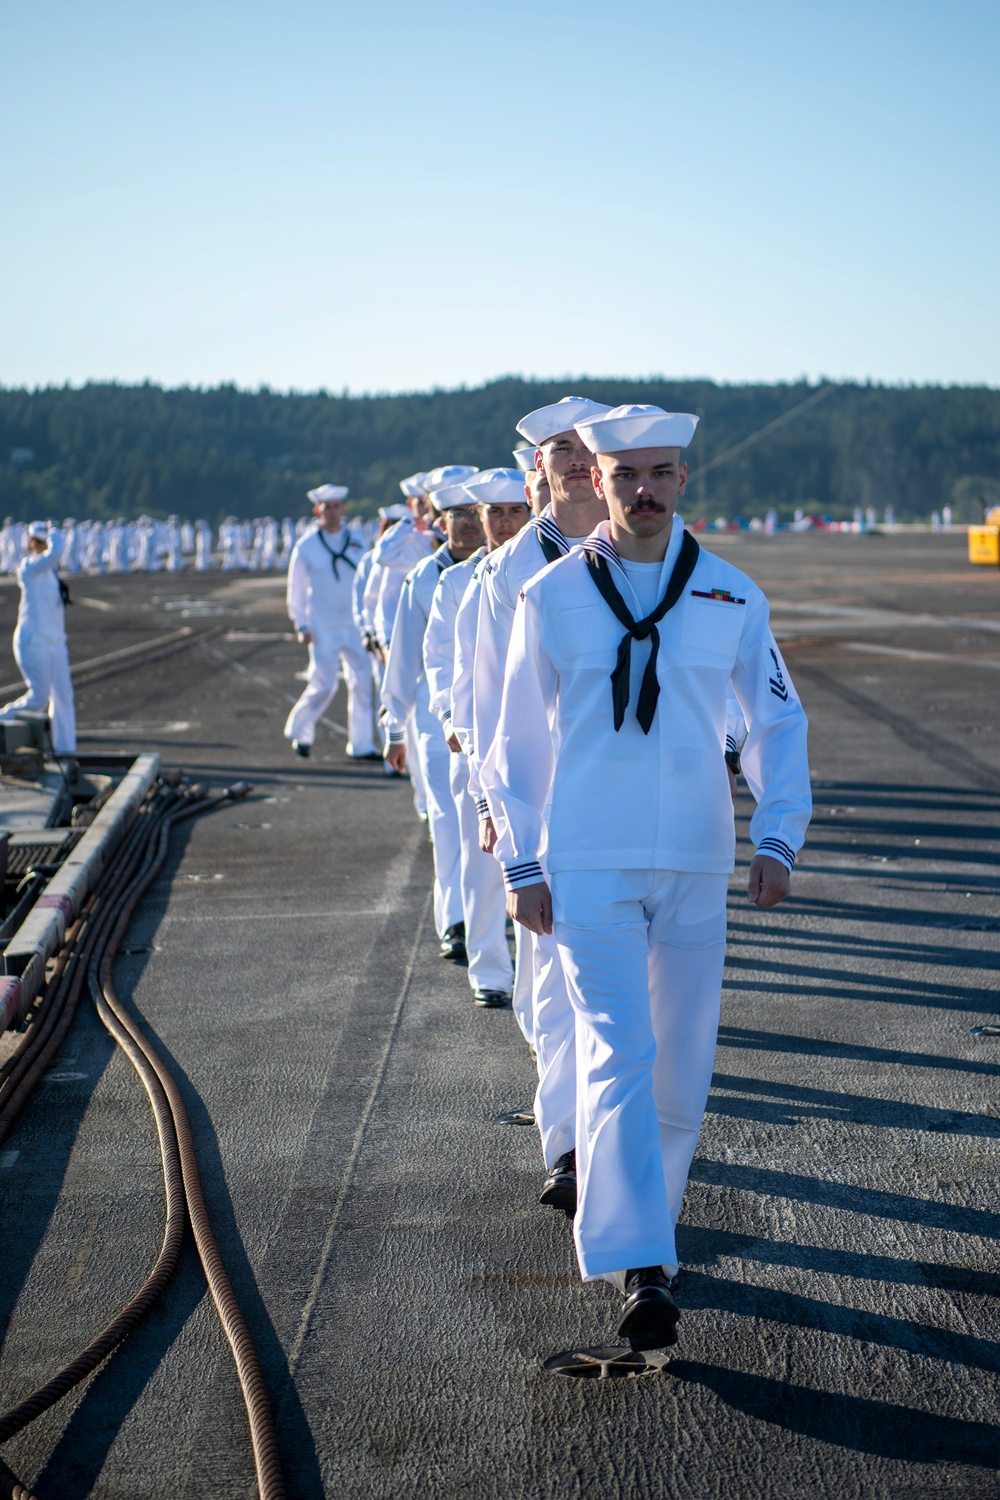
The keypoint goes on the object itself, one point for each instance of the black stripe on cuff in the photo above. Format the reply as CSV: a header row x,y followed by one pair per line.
x,y
778,848
528,872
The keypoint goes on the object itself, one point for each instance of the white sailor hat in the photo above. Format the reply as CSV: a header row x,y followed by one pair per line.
x,y
448,496
497,487
327,492
39,530
436,479
392,512
562,416
413,485
524,457
626,427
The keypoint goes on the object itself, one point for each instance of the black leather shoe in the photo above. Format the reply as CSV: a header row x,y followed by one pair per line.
x,y
559,1189
492,999
368,755
304,750
649,1314
453,943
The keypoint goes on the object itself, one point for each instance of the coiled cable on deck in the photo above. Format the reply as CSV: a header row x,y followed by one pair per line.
x,y
106,922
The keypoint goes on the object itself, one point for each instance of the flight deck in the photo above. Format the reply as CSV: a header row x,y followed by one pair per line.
x,y
419,1318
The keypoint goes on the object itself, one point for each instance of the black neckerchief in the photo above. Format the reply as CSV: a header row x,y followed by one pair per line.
x,y
638,630
550,538
337,557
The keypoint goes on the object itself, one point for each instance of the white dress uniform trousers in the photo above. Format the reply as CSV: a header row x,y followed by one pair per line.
x,y
40,647
643,951
320,582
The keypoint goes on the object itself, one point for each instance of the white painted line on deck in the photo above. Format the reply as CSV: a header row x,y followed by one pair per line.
x,y
870,648
884,619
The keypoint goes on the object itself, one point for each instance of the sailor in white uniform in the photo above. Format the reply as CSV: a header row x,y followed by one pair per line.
x,y
502,499
405,693
573,511
319,593
490,968
614,714
40,639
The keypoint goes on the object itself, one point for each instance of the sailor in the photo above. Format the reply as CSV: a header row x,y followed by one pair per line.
x,y
9,546
287,543
405,543
573,510
93,556
203,559
405,694
615,714
380,596
408,541
320,584
118,546
40,639
502,499
70,562
174,551
490,969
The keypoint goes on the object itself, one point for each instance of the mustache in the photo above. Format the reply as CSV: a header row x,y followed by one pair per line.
x,y
645,504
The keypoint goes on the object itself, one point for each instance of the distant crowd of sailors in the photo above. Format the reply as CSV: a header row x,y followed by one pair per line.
x,y
148,546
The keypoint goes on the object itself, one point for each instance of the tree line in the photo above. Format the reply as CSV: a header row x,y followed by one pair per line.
x,y
104,450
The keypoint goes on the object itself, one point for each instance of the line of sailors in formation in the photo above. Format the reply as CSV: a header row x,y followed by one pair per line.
x,y
149,546
573,685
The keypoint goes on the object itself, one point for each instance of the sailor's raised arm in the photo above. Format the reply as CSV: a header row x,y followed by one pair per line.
x,y
36,563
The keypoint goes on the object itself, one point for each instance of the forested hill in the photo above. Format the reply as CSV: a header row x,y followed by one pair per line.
x,y
108,450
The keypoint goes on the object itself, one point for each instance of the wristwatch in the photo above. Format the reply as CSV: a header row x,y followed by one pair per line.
x,y
733,761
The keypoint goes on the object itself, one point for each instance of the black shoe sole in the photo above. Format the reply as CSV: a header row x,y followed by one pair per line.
x,y
651,1322
560,1193
488,1002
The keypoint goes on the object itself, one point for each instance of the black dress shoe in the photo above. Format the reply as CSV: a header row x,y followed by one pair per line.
x,y
559,1189
368,755
304,750
649,1314
453,943
492,999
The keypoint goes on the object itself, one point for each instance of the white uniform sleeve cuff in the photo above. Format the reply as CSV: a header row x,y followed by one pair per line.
x,y
524,872
482,808
778,849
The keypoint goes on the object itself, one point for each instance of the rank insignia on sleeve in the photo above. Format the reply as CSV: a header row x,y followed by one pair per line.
x,y
721,596
777,682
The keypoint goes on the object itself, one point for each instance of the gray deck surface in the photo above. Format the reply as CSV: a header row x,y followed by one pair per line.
x,y
840,1233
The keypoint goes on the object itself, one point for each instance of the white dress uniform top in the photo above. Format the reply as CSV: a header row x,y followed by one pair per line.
x,y
394,554
483,901
405,696
40,643
319,594
640,842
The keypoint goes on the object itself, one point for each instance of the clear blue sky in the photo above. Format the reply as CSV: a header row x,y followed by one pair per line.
x,y
390,196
